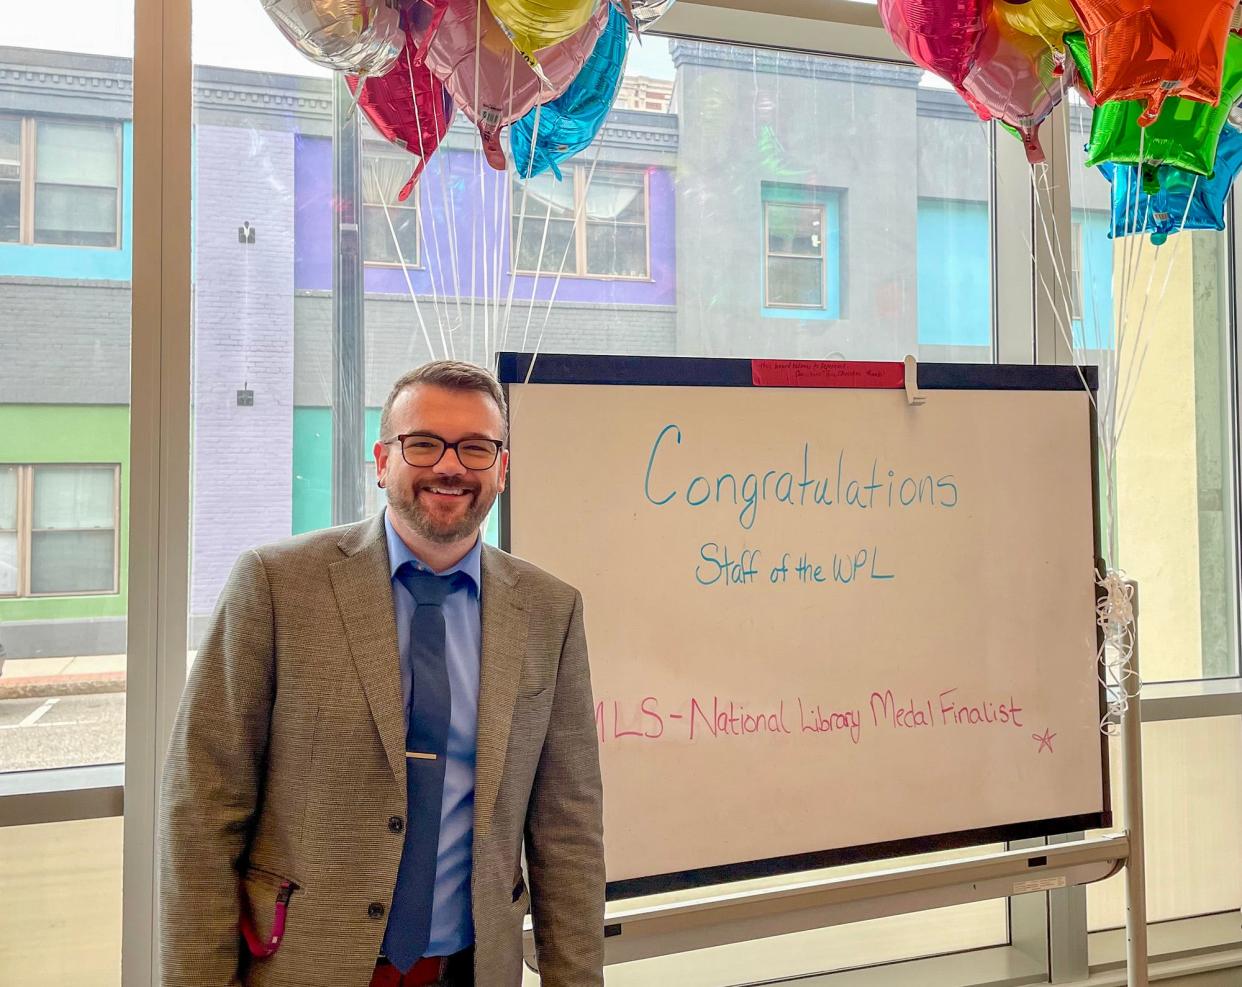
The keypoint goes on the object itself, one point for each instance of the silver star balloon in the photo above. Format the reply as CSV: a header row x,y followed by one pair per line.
x,y
361,37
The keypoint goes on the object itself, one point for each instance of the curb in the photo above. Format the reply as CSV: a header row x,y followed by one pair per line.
x,y
89,684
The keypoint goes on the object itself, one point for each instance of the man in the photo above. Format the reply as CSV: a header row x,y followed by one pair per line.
x,y
378,719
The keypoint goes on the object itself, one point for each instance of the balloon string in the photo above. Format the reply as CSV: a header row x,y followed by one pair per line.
x,y
418,312
516,245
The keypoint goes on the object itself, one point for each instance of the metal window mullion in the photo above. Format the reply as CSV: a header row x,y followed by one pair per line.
x,y
159,555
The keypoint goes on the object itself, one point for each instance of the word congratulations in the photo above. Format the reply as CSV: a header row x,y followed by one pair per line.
x,y
704,718
878,487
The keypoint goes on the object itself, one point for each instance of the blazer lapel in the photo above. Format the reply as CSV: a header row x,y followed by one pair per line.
x,y
504,622
362,583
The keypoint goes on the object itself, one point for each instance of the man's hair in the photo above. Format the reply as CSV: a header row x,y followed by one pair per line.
x,y
451,375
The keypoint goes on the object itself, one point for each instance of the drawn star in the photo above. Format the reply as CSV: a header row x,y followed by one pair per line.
x,y
1044,740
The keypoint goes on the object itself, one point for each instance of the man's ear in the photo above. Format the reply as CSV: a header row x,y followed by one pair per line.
x,y
504,471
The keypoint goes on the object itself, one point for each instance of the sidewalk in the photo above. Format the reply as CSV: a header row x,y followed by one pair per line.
x,y
32,678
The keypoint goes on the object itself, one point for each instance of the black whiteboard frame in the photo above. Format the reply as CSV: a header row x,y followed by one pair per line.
x,y
644,371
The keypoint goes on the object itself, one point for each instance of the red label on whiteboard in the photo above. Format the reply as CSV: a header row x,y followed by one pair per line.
x,y
826,373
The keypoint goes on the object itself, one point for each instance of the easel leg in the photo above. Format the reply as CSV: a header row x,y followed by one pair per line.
x,y
1136,867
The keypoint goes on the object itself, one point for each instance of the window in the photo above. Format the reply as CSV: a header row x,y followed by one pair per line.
x,y
589,225
8,530
800,233
10,180
58,530
389,227
60,182
955,287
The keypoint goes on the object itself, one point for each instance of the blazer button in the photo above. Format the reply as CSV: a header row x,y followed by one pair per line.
x,y
396,825
376,910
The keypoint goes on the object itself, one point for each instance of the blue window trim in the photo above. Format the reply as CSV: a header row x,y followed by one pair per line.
x,y
830,200
1094,329
67,263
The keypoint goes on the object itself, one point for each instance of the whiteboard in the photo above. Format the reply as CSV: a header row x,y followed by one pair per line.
x,y
824,624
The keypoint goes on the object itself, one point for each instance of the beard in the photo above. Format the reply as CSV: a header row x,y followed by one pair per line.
x,y
436,530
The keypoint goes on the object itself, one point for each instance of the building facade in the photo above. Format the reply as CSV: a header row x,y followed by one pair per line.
x,y
772,205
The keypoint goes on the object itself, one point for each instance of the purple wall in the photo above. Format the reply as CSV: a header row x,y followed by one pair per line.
x,y
454,187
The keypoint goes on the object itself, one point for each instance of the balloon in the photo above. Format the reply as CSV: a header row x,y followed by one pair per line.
x,y
536,24
1185,201
641,14
568,124
943,36
359,36
1149,50
486,77
409,106
1048,20
1016,80
1185,134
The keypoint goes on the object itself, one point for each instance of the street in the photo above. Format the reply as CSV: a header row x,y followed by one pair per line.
x,y
68,731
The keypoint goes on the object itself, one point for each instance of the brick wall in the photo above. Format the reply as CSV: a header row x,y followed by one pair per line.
x,y
243,458
63,342
395,340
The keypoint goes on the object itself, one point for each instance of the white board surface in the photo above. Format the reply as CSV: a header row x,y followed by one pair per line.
x,y
820,619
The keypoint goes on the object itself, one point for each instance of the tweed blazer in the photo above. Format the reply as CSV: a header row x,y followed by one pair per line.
x,y
287,768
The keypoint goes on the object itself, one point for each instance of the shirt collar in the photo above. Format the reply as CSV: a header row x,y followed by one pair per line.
x,y
399,553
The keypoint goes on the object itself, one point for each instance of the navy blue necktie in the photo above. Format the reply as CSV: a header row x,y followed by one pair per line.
x,y
426,748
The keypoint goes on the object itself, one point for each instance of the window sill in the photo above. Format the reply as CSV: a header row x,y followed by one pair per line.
x,y
29,798
1177,948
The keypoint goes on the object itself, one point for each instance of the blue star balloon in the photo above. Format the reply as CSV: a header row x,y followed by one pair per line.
x,y
1185,201
570,122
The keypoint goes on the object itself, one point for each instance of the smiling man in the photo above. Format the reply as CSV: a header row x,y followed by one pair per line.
x,y
380,718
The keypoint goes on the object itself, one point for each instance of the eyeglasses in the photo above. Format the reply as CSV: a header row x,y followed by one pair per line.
x,y
425,449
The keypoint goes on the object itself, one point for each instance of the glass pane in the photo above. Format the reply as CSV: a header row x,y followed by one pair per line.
x,y
64,399
10,148
543,197
10,212
8,497
273,320
1192,795
57,874
76,154
617,196
556,239
8,563
1170,505
796,230
794,281
378,244
73,562
617,251
74,497
84,217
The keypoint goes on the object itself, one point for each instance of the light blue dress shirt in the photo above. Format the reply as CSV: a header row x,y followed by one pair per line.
x,y
452,927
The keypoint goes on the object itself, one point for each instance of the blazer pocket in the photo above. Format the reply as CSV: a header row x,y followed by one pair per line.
x,y
264,911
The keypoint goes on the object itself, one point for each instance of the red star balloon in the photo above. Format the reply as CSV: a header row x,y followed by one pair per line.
x,y
409,106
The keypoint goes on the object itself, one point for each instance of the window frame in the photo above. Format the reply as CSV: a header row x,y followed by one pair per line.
x,y
371,152
1049,930
769,255
26,531
27,181
582,224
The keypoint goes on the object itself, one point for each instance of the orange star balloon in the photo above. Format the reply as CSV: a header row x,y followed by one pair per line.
x,y
1148,50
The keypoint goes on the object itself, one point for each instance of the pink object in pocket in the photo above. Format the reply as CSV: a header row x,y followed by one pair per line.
x,y
260,948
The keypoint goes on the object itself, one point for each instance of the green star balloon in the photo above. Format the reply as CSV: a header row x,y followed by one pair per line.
x,y
1184,136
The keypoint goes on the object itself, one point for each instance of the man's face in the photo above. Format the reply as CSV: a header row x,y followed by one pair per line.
x,y
444,503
